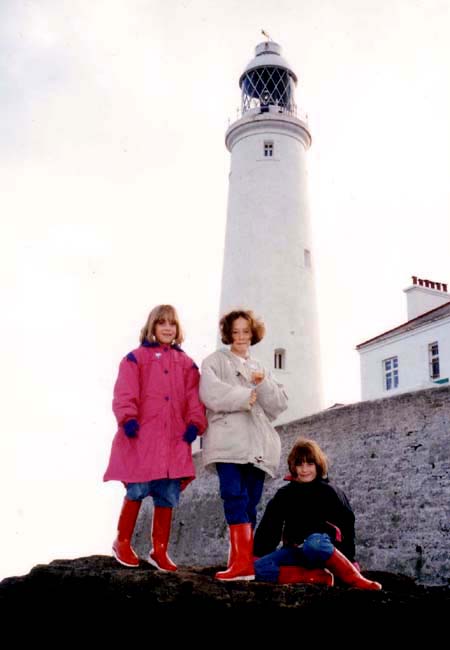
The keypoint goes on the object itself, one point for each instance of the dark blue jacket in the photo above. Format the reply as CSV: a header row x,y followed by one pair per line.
x,y
299,509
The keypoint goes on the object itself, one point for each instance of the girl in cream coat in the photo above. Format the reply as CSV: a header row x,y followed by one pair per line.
x,y
242,400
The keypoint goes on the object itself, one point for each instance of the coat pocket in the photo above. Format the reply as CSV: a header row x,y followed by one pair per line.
x,y
217,418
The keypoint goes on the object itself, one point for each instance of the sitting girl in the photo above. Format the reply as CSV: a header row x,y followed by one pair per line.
x,y
315,523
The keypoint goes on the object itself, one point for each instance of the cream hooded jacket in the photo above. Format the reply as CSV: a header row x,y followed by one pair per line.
x,y
238,433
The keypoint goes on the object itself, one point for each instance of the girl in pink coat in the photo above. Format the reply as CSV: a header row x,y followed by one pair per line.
x,y
159,415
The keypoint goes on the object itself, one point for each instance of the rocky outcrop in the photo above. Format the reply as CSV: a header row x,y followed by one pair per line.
x,y
100,581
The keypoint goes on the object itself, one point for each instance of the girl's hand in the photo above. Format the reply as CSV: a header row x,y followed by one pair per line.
x,y
131,427
257,377
252,399
191,433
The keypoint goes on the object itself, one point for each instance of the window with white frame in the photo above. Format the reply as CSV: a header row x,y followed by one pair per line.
x,y
279,359
390,371
268,149
433,359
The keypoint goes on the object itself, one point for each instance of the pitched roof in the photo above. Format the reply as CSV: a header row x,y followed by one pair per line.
x,y
429,316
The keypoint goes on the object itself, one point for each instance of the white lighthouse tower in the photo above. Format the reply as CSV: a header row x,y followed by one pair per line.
x,y
268,259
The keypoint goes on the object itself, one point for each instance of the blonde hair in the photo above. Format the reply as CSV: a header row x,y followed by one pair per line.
x,y
158,313
257,326
309,451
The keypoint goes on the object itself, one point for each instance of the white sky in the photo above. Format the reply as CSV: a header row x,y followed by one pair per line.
x,y
113,190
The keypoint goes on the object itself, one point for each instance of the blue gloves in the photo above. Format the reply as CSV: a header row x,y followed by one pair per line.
x,y
131,427
191,433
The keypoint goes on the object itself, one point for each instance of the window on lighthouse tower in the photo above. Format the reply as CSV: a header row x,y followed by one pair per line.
x,y
279,359
268,149
307,257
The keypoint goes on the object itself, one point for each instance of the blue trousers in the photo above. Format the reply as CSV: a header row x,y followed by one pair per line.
x,y
313,553
165,491
241,488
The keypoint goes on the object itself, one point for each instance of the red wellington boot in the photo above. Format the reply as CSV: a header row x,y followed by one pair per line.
x,y
122,550
240,565
343,569
162,521
293,574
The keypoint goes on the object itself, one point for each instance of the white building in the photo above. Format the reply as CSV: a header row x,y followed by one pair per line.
x,y
268,259
414,355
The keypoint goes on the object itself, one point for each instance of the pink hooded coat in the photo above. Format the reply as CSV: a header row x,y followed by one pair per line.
x,y
158,386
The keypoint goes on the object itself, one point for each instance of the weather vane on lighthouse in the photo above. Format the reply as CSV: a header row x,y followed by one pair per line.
x,y
265,34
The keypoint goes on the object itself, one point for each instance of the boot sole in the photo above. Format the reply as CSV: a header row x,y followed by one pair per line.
x,y
132,566
153,563
248,578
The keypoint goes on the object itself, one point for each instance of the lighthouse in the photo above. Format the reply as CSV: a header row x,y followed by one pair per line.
x,y
268,257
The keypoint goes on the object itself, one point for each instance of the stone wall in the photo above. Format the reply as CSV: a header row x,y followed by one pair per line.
x,y
392,458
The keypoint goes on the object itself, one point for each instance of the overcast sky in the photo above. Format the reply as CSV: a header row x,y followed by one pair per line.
x,y
113,199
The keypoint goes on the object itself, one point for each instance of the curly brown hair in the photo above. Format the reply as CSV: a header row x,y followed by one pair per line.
x,y
309,451
157,313
257,326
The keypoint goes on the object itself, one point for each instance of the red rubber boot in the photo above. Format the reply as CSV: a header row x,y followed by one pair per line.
x,y
162,522
293,574
122,549
241,554
343,569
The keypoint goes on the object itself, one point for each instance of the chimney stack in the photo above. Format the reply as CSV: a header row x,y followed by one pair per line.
x,y
425,295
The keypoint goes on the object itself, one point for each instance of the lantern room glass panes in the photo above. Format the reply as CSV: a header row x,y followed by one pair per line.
x,y
268,86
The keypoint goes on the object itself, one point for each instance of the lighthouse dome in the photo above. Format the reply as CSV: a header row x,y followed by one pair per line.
x,y
268,54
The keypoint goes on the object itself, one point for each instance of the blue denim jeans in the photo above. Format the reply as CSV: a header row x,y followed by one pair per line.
x,y
314,552
241,488
165,491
